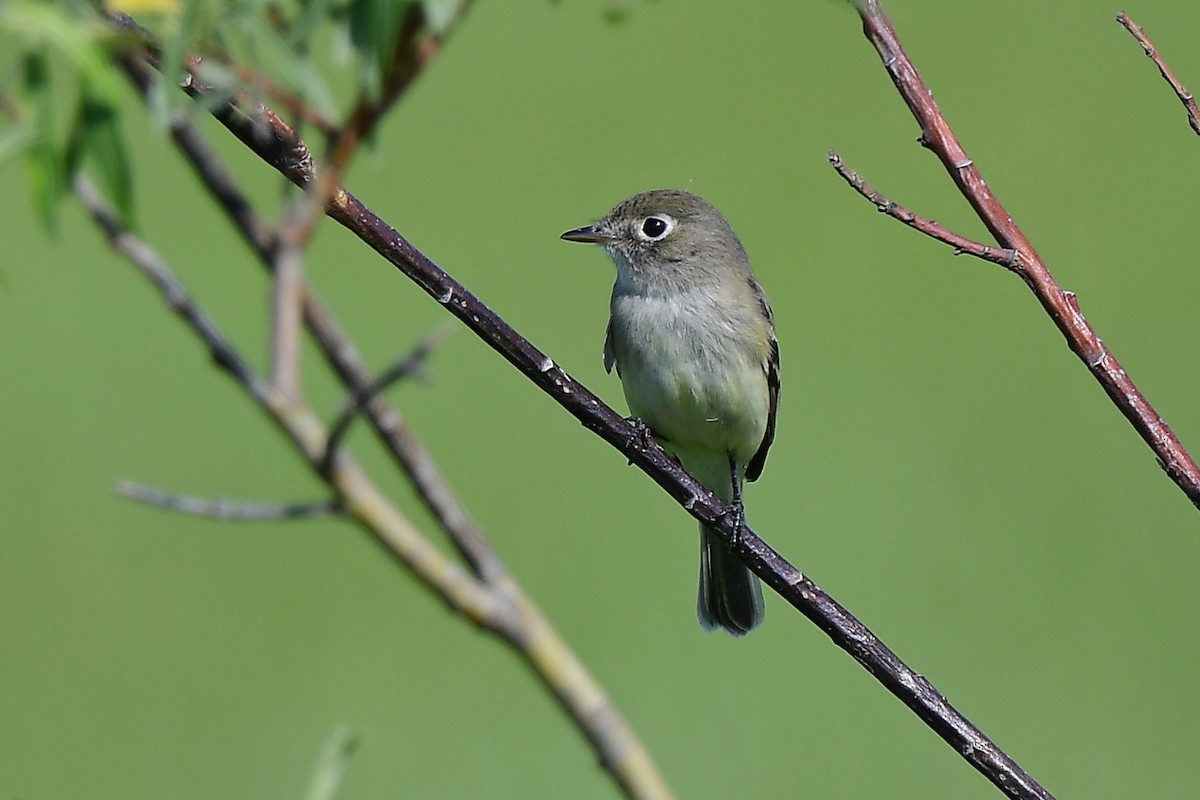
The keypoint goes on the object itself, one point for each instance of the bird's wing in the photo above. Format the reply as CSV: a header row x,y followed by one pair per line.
x,y
771,368
610,358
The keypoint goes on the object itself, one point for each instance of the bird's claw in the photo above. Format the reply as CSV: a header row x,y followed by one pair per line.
x,y
643,434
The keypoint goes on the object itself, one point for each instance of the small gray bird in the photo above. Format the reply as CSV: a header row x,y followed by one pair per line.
x,y
693,339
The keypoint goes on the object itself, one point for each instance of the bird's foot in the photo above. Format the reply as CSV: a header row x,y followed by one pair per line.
x,y
643,434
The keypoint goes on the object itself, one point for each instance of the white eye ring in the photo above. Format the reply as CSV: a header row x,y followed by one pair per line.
x,y
655,228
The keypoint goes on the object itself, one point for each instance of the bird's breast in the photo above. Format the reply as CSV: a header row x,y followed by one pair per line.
x,y
692,371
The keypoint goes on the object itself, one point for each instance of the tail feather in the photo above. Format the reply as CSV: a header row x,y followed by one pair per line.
x,y
730,595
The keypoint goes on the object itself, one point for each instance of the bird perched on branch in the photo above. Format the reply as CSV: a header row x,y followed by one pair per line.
x,y
692,337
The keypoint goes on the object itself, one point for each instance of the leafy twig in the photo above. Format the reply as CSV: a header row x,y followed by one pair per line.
x,y
335,346
418,40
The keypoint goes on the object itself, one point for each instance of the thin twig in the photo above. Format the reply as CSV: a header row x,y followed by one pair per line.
x,y
411,363
1062,306
1009,259
1181,91
287,296
264,133
359,496
224,509
155,269
301,215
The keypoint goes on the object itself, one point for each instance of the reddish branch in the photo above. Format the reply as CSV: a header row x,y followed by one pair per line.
x,y
961,244
1062,306
1185,97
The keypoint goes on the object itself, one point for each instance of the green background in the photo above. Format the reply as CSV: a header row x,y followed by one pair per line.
x,y
943,466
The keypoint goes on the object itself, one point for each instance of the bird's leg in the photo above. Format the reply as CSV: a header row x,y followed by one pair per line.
x,y
739,510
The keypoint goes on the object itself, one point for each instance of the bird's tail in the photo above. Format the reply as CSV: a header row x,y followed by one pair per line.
x,y
730,595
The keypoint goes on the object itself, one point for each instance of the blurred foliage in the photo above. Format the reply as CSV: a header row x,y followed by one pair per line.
x,y
257,46
944,467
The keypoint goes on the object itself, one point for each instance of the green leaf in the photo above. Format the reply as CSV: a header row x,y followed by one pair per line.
x,y
164,96
374,28
441,15
77,37
74,34
275,55
16,139
331,764
98,141
44,160
306,24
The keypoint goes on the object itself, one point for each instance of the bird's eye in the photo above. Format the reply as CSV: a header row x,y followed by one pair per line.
x,y
656,227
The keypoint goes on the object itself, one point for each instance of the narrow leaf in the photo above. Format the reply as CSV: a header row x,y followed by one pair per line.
x,y
99,141
331,764
44,159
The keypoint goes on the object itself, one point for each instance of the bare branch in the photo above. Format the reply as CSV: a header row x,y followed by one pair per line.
x,y
295,106
1185,97
155,269
411,363
287,296
1009,259
300,219
224,509
1062,306
355,491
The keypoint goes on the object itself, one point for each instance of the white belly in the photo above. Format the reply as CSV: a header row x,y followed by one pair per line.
x,y
700,386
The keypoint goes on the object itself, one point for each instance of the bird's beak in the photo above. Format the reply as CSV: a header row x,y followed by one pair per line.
x,y
590,234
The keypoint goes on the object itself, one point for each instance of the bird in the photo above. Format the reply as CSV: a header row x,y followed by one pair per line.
x,y
692,337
